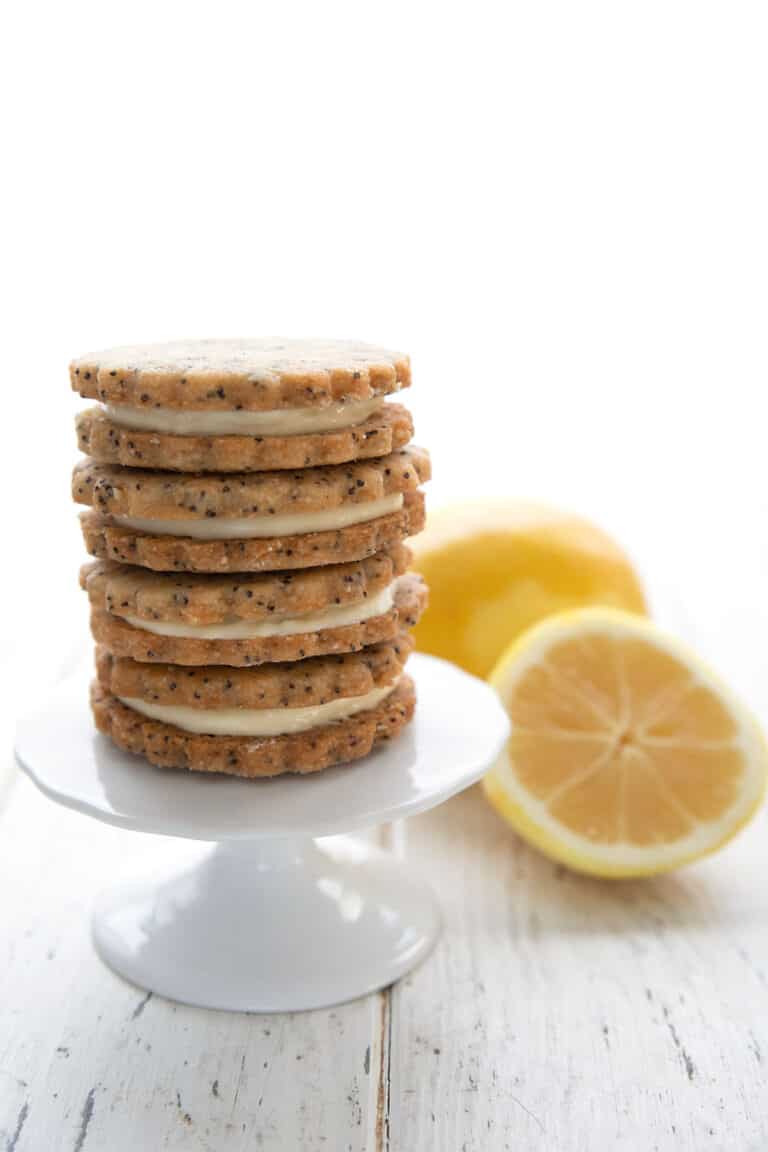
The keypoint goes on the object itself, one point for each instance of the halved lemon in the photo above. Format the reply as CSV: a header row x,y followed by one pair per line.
x,y
627,756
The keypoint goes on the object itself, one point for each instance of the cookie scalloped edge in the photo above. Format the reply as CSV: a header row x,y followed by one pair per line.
x,y
342,742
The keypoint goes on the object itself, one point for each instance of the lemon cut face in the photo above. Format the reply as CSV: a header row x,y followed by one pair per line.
x,y
627,756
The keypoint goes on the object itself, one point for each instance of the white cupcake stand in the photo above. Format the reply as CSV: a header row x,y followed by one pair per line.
x,y
269,918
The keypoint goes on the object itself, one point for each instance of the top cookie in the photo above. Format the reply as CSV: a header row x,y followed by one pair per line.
x,y
240,375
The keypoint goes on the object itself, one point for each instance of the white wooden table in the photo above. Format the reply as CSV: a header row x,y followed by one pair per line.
x,y
557,1013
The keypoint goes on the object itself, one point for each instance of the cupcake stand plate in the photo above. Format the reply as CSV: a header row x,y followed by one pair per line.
x,y
269,918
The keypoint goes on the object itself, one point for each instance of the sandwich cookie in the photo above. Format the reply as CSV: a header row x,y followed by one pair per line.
x,y
258,721
252,619
112,441
222,522
242,405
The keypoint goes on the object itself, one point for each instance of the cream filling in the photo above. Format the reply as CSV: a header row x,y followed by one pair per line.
x,y
276,422
334,617
257,721
252,527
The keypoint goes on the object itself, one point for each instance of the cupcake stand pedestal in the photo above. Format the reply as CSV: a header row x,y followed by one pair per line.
x,y
269,918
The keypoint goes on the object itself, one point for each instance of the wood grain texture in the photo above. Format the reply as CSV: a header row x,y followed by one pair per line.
x,y
558,1014
567,1014
88,1062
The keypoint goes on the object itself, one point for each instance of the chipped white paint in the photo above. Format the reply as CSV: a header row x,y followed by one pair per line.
x,y
558,1013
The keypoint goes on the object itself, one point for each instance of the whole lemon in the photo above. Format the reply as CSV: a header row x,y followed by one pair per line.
x,y
495,568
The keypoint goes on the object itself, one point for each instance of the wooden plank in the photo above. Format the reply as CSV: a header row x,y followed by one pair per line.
x,y
89,1062
557,1012
570,1014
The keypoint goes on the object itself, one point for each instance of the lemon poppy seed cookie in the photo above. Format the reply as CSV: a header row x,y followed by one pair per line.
x,y
273,692
297,717
225,376
243,621
113,441
241,405
211,600
107,540
408,603
340,742
223,505
221,522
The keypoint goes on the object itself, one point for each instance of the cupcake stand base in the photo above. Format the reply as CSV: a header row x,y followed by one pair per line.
x,y
278,912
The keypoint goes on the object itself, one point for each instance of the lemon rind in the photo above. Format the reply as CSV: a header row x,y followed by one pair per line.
x,y
531,818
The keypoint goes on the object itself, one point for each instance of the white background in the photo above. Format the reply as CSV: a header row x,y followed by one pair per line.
x,y
559,210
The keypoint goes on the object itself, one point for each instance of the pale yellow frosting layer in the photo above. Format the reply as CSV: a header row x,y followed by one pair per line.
x,y
278,422
333,617
253,527
257,721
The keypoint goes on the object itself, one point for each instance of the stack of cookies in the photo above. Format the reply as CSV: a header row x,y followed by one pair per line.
x,y
248,503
